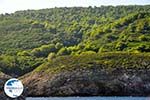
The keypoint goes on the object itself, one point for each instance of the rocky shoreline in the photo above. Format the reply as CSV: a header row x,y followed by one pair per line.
x,y
85,82
92,82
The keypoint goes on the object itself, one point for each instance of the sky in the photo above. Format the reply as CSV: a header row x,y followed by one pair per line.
x,y
10,6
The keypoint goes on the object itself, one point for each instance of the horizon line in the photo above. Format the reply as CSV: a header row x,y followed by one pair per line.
x,y
93,6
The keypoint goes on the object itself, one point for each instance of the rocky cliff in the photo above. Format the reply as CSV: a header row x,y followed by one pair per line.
x,y
72,77
91,82
89,75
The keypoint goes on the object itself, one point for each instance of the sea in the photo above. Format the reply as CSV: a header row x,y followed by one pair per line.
x,y
90,98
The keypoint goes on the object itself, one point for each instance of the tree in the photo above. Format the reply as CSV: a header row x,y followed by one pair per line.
x,y
120,46
51,56
63,51
36,52
143,48
44,50
88,53
23,53
143,38
58,46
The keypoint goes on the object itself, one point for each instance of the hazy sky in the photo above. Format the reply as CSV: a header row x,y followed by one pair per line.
x,y
10,6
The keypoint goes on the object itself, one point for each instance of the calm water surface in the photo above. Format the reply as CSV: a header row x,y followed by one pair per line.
x,y
91,98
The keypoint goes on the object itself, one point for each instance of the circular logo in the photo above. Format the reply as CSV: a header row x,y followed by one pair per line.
x,y
13,88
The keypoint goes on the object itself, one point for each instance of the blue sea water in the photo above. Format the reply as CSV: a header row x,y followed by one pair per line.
x,y
91,98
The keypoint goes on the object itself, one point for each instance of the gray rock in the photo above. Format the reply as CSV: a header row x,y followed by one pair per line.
x,y
89,82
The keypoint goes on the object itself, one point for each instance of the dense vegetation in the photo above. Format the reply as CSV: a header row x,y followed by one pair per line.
x,y
108,61
30,38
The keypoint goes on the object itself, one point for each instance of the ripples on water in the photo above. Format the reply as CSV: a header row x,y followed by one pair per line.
x,y
91,98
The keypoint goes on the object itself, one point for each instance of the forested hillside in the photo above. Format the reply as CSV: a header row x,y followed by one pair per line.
x,y
33,37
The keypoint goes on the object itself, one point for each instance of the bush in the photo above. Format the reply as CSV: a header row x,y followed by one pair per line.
x,y
51,56
143,48
63,51
44,50
120,46
143,38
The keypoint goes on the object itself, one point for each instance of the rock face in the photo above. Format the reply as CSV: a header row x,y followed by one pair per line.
x,y
89,82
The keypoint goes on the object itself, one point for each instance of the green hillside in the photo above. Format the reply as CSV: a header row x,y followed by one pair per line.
x,y
30,38
108,61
